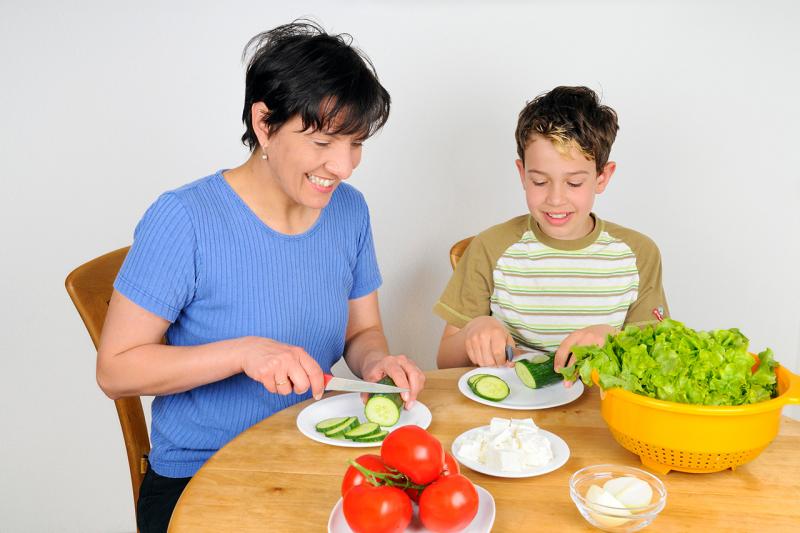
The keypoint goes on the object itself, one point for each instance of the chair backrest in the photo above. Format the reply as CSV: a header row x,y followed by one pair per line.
x,y
90,286
457,250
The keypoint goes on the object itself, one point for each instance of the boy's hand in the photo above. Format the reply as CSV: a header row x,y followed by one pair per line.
x,y
486,341
581,337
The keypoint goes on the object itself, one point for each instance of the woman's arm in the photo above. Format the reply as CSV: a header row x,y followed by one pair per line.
x,y
367,352
132,361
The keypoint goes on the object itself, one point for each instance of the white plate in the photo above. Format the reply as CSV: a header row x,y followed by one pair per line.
x,y
482,522
520,396
557,444
351,405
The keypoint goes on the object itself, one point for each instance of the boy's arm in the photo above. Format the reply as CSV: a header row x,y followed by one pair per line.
x,y
651,302
481,342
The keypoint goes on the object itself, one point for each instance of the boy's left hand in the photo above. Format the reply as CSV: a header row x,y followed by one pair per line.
x,y
581,337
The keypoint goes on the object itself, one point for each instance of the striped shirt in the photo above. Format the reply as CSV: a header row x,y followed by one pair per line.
x,y
543,289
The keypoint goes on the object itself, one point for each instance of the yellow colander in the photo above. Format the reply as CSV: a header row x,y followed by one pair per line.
x,y
695,438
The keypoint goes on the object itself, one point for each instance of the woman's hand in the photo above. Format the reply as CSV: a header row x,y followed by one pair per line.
x,y
486,341
581,337
281,368
403,371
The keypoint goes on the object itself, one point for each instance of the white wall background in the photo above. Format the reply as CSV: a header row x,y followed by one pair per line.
x,y
104,105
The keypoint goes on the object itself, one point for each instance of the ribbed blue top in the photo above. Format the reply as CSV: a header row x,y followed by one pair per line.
x,y
204,261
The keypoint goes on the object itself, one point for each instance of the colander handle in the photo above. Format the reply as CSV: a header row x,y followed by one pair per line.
x,y
792,394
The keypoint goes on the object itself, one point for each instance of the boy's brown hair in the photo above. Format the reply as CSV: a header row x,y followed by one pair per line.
x,y
569,117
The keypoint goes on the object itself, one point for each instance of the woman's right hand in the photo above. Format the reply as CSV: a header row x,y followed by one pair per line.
x,y
281,368
486,341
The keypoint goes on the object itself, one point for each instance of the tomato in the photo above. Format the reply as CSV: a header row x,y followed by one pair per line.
x,y
450,465
414,452
353,477
449,504
371,509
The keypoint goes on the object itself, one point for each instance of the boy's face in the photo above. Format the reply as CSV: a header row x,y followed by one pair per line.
x,y
560,190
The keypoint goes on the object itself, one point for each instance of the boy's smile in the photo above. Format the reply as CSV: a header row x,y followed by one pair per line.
x,y
560,188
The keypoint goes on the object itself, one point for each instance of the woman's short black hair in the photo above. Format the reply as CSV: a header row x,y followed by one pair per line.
x,y
299,69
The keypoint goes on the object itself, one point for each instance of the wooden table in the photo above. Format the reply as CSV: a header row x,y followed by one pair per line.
x,y
273,478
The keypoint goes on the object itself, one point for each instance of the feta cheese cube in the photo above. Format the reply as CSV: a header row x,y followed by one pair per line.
x,y
470,449
499,424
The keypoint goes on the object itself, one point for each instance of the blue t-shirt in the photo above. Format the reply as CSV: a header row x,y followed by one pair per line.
x,y
204,261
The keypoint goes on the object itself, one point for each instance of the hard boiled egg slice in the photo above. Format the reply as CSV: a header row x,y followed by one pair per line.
x,y
598,497
630,491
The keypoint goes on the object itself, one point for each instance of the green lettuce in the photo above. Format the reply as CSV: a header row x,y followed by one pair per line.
x,y
672,362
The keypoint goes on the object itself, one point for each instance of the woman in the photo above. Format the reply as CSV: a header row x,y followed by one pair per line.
x,y
259,277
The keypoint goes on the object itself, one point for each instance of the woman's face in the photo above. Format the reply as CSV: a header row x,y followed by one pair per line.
x,y
309,165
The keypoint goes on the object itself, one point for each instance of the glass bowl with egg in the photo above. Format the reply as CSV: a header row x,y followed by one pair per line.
x,y
617,498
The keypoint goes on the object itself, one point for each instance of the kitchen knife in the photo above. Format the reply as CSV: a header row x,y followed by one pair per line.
x,y
357,385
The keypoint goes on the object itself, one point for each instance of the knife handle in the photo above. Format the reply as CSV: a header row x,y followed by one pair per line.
x,y
327,378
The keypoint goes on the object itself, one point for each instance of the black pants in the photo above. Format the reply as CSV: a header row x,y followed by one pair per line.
x,y
157,498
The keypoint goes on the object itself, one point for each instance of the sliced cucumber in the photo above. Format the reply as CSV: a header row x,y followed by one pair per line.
x,y
375,437
362,430
491,388
329,423
472,379
537,375
348,424
540,358
384,408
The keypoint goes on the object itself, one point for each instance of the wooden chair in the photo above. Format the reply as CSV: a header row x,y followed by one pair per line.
x,y
457,250
90,286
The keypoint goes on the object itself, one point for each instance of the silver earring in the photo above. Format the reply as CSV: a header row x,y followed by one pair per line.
x,y
263,153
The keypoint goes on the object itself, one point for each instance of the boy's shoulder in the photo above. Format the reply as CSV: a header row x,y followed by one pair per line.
x,y
495,240
511,229
638,241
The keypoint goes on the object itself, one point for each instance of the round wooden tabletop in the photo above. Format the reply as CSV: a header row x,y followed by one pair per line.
x,y
273,478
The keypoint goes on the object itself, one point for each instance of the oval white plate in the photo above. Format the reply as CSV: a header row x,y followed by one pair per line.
x,y
482,522
520,396
557,444
351,405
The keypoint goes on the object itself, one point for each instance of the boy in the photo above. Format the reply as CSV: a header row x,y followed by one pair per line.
x,y
558,276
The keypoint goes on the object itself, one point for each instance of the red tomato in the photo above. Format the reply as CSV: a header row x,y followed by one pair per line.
x,y
371,509
414,452
353,477
450,465
449,504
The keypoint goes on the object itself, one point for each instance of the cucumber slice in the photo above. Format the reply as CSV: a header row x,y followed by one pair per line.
x,y
336,431
383,408
537,375
382,411
474,378
540,358
491,388
329,423
362,430
375,437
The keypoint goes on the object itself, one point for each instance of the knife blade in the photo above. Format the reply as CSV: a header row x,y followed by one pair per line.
x,y
358,385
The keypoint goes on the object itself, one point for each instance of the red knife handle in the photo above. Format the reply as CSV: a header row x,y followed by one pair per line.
x,y
327,378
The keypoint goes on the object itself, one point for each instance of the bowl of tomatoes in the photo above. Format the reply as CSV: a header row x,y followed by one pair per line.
x,y
413,485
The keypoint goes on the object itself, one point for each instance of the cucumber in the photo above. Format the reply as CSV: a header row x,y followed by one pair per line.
x,y
491,388
537,375
472,379
336,431
328,423
384,408
375,437
362,430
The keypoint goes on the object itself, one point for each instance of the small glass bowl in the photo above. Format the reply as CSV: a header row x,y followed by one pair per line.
x,y
615,519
